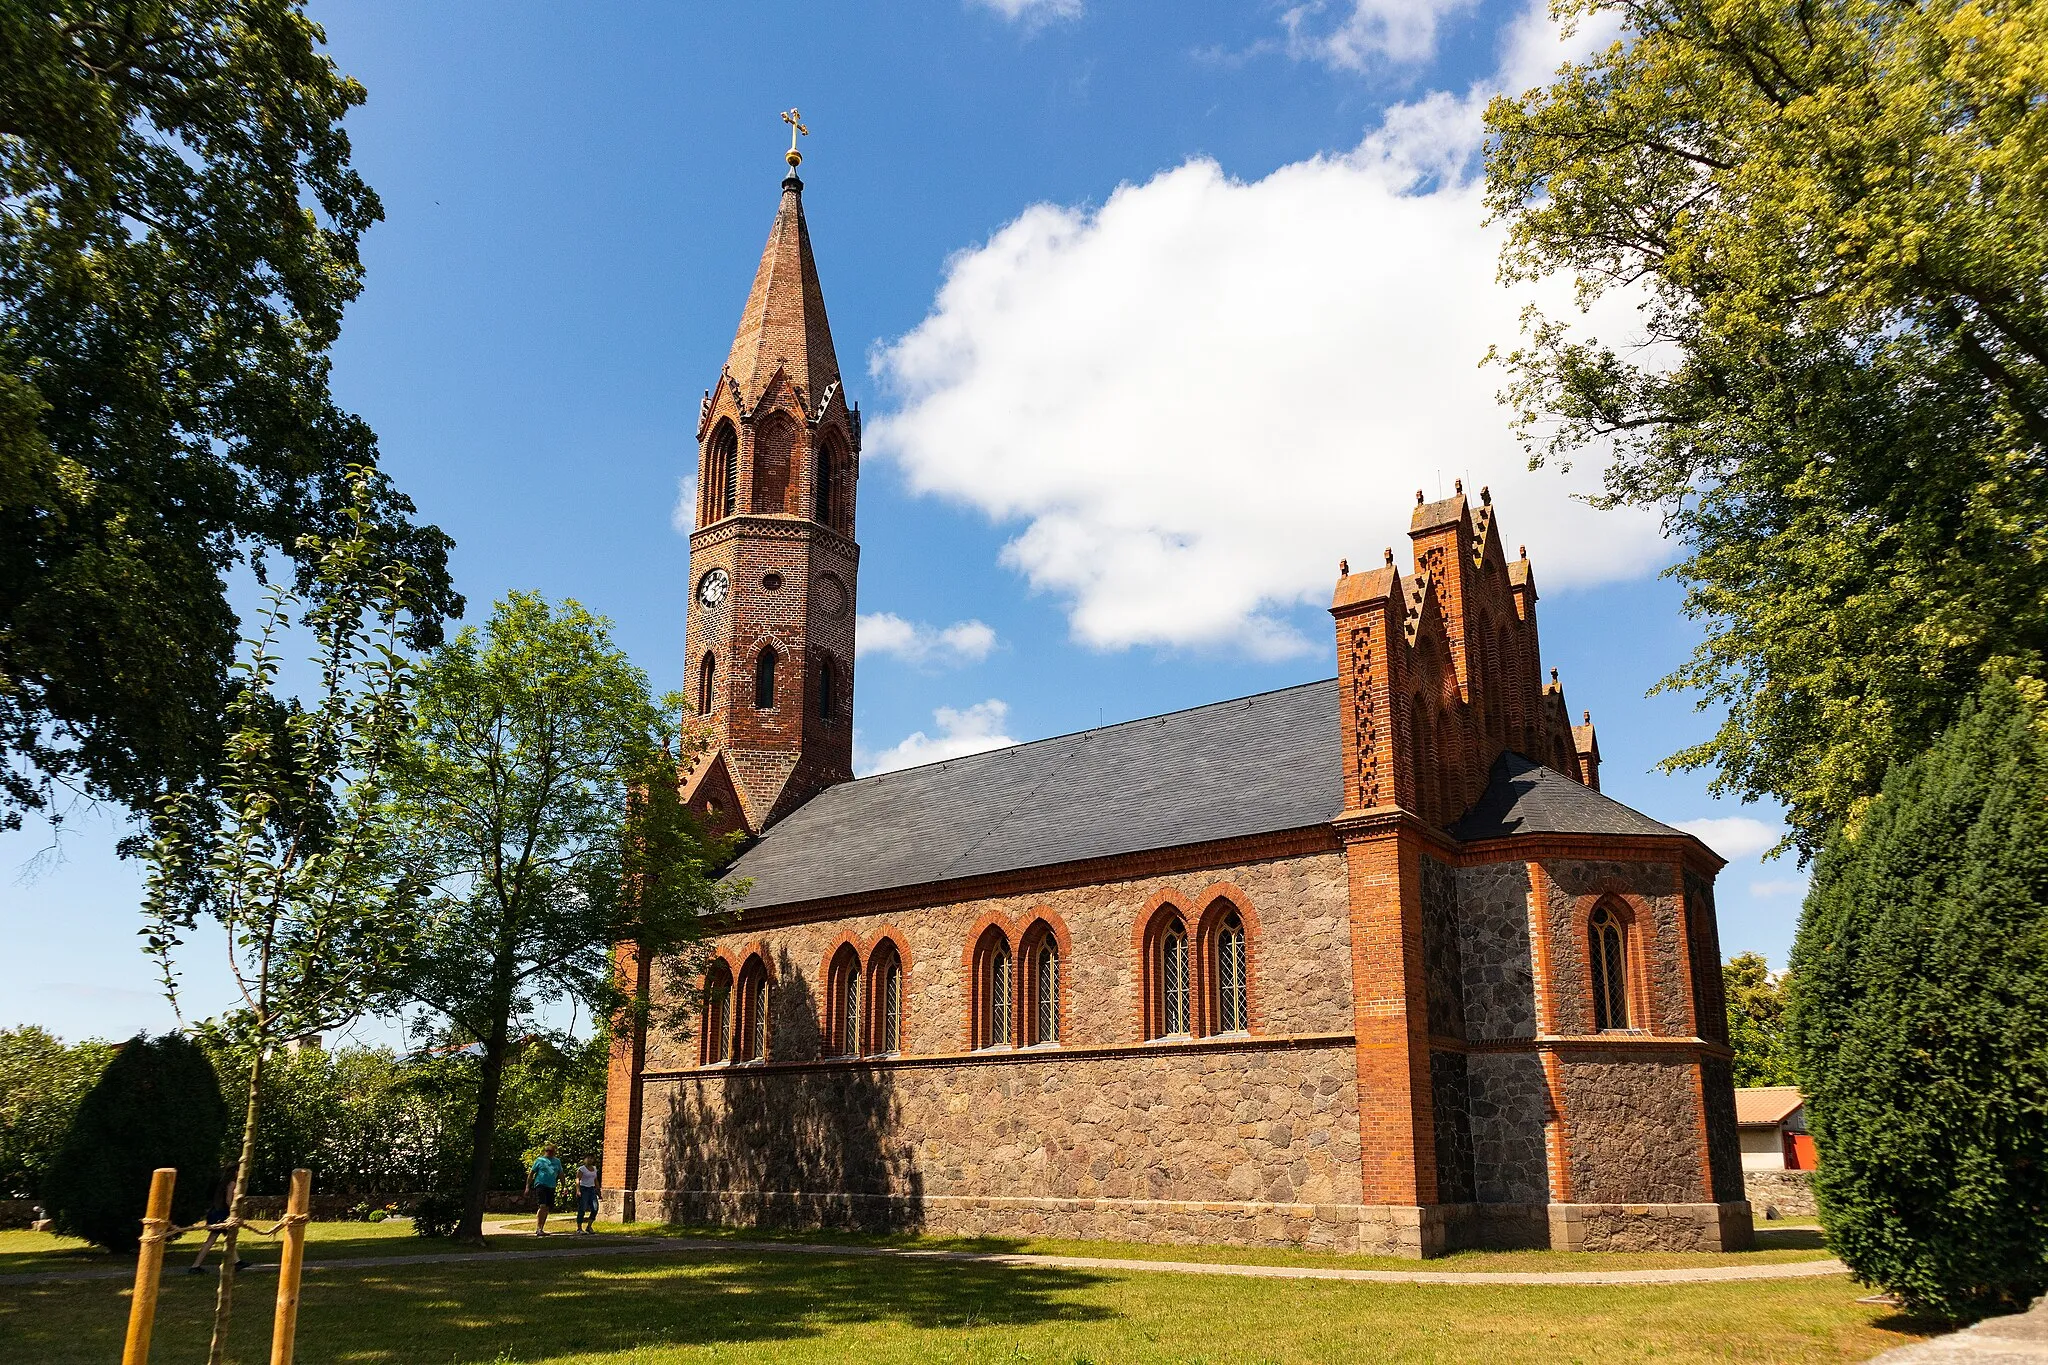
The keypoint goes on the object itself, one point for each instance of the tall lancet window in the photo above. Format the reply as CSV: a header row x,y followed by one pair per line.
x,y
722,494
843,995
1173,980
1232,997
752,1040
764,678
707,678
827,457
999,996
885,999
1607,946
1045,1005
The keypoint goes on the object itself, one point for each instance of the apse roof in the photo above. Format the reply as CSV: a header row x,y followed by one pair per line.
x,y
1253,765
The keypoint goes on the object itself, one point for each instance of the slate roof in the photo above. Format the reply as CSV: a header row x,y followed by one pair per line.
x,y
1526,797
1254,765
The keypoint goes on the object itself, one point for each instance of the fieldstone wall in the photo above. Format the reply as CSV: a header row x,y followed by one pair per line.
x,y
1508,1105
1450,1112
1724,1140
1789,1192
1634,1128
1443,968
1493,944
1235,1141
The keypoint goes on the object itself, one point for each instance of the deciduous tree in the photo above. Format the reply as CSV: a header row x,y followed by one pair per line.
x,y
541,792
1829,214
1757,1001
178,238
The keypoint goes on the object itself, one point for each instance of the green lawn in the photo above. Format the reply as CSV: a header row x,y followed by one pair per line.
x,y
632,1309
24,1253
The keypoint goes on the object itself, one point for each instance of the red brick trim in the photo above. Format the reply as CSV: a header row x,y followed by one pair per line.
x,y
990,932
1216,900
1685,962
719,960
846,945
1149,927
623,1071
1036,926
1557,1139
1634,917
898,943
757,955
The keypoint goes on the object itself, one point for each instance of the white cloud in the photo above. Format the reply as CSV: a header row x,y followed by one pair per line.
x,y
914,642
972,730
1791,886
1362,31
682,518
1198,396
1033,11
1733,836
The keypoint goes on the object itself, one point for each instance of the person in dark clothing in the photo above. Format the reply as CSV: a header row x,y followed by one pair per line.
x,y
218,1211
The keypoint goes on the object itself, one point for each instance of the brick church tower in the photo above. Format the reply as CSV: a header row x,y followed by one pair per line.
x,y
773,560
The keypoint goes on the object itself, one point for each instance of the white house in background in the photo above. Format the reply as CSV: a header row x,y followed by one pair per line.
x,y
1772,1122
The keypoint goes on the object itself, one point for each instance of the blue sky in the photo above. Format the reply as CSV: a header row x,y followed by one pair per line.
x,y
1153,311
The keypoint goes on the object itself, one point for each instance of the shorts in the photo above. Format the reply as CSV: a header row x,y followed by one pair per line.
x,y
216,1214
544,1197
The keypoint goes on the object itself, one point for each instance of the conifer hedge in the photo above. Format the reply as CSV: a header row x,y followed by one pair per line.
x,y
158,1103
1920,1018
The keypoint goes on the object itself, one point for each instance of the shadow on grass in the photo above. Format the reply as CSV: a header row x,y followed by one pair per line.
x,y
483,1312
1790,1239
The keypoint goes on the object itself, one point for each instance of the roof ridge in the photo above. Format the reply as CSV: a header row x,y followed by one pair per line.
x,y
1096,729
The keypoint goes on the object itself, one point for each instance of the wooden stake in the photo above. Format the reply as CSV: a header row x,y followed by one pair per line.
x,y
149,1264
284,1332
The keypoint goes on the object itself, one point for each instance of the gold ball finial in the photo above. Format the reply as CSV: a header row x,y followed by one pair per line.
x,y
795,120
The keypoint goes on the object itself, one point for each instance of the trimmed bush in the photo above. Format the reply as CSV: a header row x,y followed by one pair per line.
x,y
157,1104
1920,1019
435,1215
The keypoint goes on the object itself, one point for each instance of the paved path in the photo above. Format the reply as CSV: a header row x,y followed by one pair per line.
x,y
613,1245
2021,1339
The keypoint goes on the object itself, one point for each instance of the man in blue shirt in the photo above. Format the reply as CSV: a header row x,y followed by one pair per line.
x,y
540,1183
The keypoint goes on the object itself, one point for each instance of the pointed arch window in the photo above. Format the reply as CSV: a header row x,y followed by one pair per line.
x,y
828,457
721,492
707,681
1233,995
764,677
715,1037
1045,991
885,996
843,1003
994,991
1175,1016
750,1040
1607,951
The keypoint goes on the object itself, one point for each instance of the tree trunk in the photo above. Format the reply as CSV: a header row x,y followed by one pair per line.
x,y
224,1296
484,1130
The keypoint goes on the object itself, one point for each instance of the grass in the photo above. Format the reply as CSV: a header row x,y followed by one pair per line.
x,y
724,1304
23,1253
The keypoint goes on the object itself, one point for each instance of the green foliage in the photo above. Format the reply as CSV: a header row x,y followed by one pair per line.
x,y
436,1215
41,1084
156,1104
544,806
1757,1002
178,238
1829,216
1920,1019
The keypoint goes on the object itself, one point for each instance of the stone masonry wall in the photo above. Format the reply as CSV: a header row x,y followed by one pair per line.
x,y
1508,1103
1493,921
1649,889
1100,1135
1634,1123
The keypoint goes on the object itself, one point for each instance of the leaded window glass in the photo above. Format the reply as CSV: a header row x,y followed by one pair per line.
x,y
1232,1016
1607,946
997,1032
889,1006
1173,980
1045,1026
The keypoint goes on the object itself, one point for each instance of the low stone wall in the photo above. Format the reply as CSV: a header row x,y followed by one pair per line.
x,y
1789,1192
17,1213
334,1208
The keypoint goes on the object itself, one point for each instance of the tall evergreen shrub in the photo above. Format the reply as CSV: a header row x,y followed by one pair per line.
x,y
158,1103
1920,1018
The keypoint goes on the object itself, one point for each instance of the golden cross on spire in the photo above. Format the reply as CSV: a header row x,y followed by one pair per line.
x,y
795,120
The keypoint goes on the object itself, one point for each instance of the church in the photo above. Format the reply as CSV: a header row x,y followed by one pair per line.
x,y
1367,965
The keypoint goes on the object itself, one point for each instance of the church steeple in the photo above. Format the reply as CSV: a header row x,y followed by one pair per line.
x,y
773,559
783,324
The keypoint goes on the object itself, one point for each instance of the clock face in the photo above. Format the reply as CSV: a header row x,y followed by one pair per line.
x,y
712,588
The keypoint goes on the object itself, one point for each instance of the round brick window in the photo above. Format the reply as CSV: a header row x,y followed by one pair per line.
x,y
772,582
